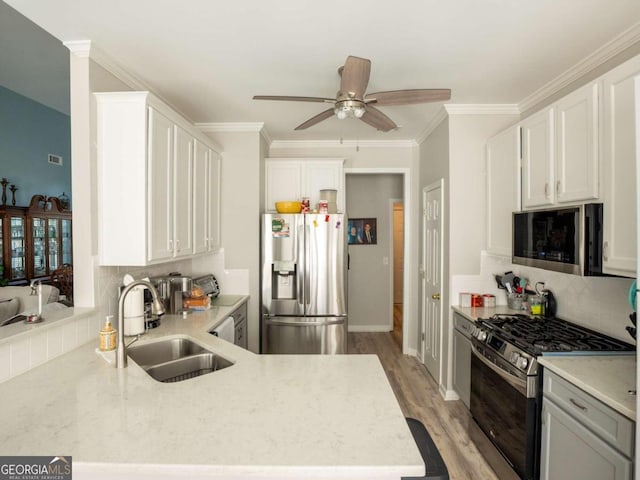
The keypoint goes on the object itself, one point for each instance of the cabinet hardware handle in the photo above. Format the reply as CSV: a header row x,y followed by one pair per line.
x,y
558,187
170,244
177,245
581,407
436,296
605,251
546,190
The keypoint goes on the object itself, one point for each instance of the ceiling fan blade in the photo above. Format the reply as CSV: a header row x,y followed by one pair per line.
x,y
377,119
294,99
355,76
317,119
408,97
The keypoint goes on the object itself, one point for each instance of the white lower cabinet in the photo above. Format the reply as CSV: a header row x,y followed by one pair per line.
x,y
154,177
582,439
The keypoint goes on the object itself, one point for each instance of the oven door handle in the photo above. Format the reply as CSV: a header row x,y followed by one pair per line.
x,y
518,383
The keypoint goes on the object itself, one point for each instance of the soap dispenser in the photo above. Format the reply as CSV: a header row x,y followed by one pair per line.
x,y
108,336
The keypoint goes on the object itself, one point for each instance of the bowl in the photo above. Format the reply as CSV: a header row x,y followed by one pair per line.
x,y
288,207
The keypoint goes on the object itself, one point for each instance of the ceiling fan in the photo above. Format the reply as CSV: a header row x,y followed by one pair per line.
x,y
351,100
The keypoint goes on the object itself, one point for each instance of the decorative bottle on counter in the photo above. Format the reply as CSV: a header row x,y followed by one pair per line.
x,y
107,336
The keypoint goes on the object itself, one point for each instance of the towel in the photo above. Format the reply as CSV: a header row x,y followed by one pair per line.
x,y
226,330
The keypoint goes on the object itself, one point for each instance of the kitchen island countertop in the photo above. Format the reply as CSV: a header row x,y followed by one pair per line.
x,y
267,416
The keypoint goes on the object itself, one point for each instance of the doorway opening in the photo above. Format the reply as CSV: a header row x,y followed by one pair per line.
x,y
378,277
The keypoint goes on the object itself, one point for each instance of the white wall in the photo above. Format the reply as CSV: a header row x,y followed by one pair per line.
x,y
242,198
370,285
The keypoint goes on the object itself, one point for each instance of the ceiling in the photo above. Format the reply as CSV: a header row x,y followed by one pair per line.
x,y
208,58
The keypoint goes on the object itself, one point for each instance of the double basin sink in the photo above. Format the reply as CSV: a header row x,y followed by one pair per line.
x,y
176,359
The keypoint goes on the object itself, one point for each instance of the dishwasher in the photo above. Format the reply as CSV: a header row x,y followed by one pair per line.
x,y
462,330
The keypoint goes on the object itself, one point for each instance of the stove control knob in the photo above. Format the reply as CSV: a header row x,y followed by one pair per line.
x,y
515,356
522,363
482,335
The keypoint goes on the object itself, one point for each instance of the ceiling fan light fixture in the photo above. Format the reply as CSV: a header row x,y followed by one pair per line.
x,y
349,108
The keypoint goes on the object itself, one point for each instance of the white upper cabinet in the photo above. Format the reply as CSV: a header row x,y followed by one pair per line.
x,y
153,191
182,197
503,188
200,200
206,199
577,145
619,129
560,151
537,159
294,178
159,208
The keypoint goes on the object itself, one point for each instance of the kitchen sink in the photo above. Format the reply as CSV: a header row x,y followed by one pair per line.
x,y
176,359
188,367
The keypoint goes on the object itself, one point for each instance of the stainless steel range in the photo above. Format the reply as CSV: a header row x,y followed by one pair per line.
x,y
506,378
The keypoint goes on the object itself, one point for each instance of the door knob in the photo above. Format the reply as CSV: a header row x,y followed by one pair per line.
x,y
436,296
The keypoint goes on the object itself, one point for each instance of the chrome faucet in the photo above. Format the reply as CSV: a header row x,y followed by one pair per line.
x,y
36,289
156,309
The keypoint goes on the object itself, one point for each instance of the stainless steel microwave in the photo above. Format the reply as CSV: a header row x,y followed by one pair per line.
x,y
565,239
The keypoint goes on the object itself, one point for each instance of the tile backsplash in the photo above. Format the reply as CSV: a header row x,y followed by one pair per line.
x,y
599,303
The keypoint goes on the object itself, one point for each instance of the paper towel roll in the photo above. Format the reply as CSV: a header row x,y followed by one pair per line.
x,y
226,330
134,312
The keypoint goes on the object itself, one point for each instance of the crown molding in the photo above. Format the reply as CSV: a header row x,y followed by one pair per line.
x,y
482,109
302,144
609,50
439,117
450,109
235,127
79,48
230,127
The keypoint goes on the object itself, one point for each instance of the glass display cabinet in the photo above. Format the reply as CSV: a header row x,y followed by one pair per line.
x,y
13,242
49,233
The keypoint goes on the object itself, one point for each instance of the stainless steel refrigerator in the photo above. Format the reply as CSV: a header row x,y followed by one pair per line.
x,y
303,277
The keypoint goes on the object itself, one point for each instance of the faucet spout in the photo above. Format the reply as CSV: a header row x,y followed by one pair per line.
x,y
157,309
36,289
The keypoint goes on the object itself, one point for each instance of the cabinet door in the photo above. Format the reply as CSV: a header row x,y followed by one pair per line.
x,y
325,175
503,189
283,182
159,171
537,160
462,367
213,202
66,242
569,451
182,195
200,203
39,247
577,145
619,170
17,247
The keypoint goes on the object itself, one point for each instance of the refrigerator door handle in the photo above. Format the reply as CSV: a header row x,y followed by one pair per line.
x,y
302,262
298,323
307,265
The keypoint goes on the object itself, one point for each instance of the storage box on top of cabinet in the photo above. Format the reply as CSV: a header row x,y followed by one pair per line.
x,y
151,209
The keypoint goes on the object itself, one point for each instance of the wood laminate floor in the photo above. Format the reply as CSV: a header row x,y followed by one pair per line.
x,y
448,422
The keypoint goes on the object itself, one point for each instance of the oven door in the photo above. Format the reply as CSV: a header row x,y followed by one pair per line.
x,y
501,407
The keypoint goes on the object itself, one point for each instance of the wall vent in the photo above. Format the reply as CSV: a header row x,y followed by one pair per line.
x,y
55,159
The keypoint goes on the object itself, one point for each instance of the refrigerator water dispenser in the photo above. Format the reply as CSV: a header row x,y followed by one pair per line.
x,y
283,280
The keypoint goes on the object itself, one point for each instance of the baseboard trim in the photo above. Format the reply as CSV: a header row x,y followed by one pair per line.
x,y
368,328
413,353
448,395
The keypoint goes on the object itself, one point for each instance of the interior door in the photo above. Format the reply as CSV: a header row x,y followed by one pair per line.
x,y
432,255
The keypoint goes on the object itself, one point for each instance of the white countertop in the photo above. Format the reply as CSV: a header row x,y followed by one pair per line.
x,y
267,416
606,377
474,313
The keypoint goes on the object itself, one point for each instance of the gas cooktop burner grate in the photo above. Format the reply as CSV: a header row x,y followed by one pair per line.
x,y
537,335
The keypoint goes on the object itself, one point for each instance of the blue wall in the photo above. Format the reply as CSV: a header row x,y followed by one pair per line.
x,y
29,131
